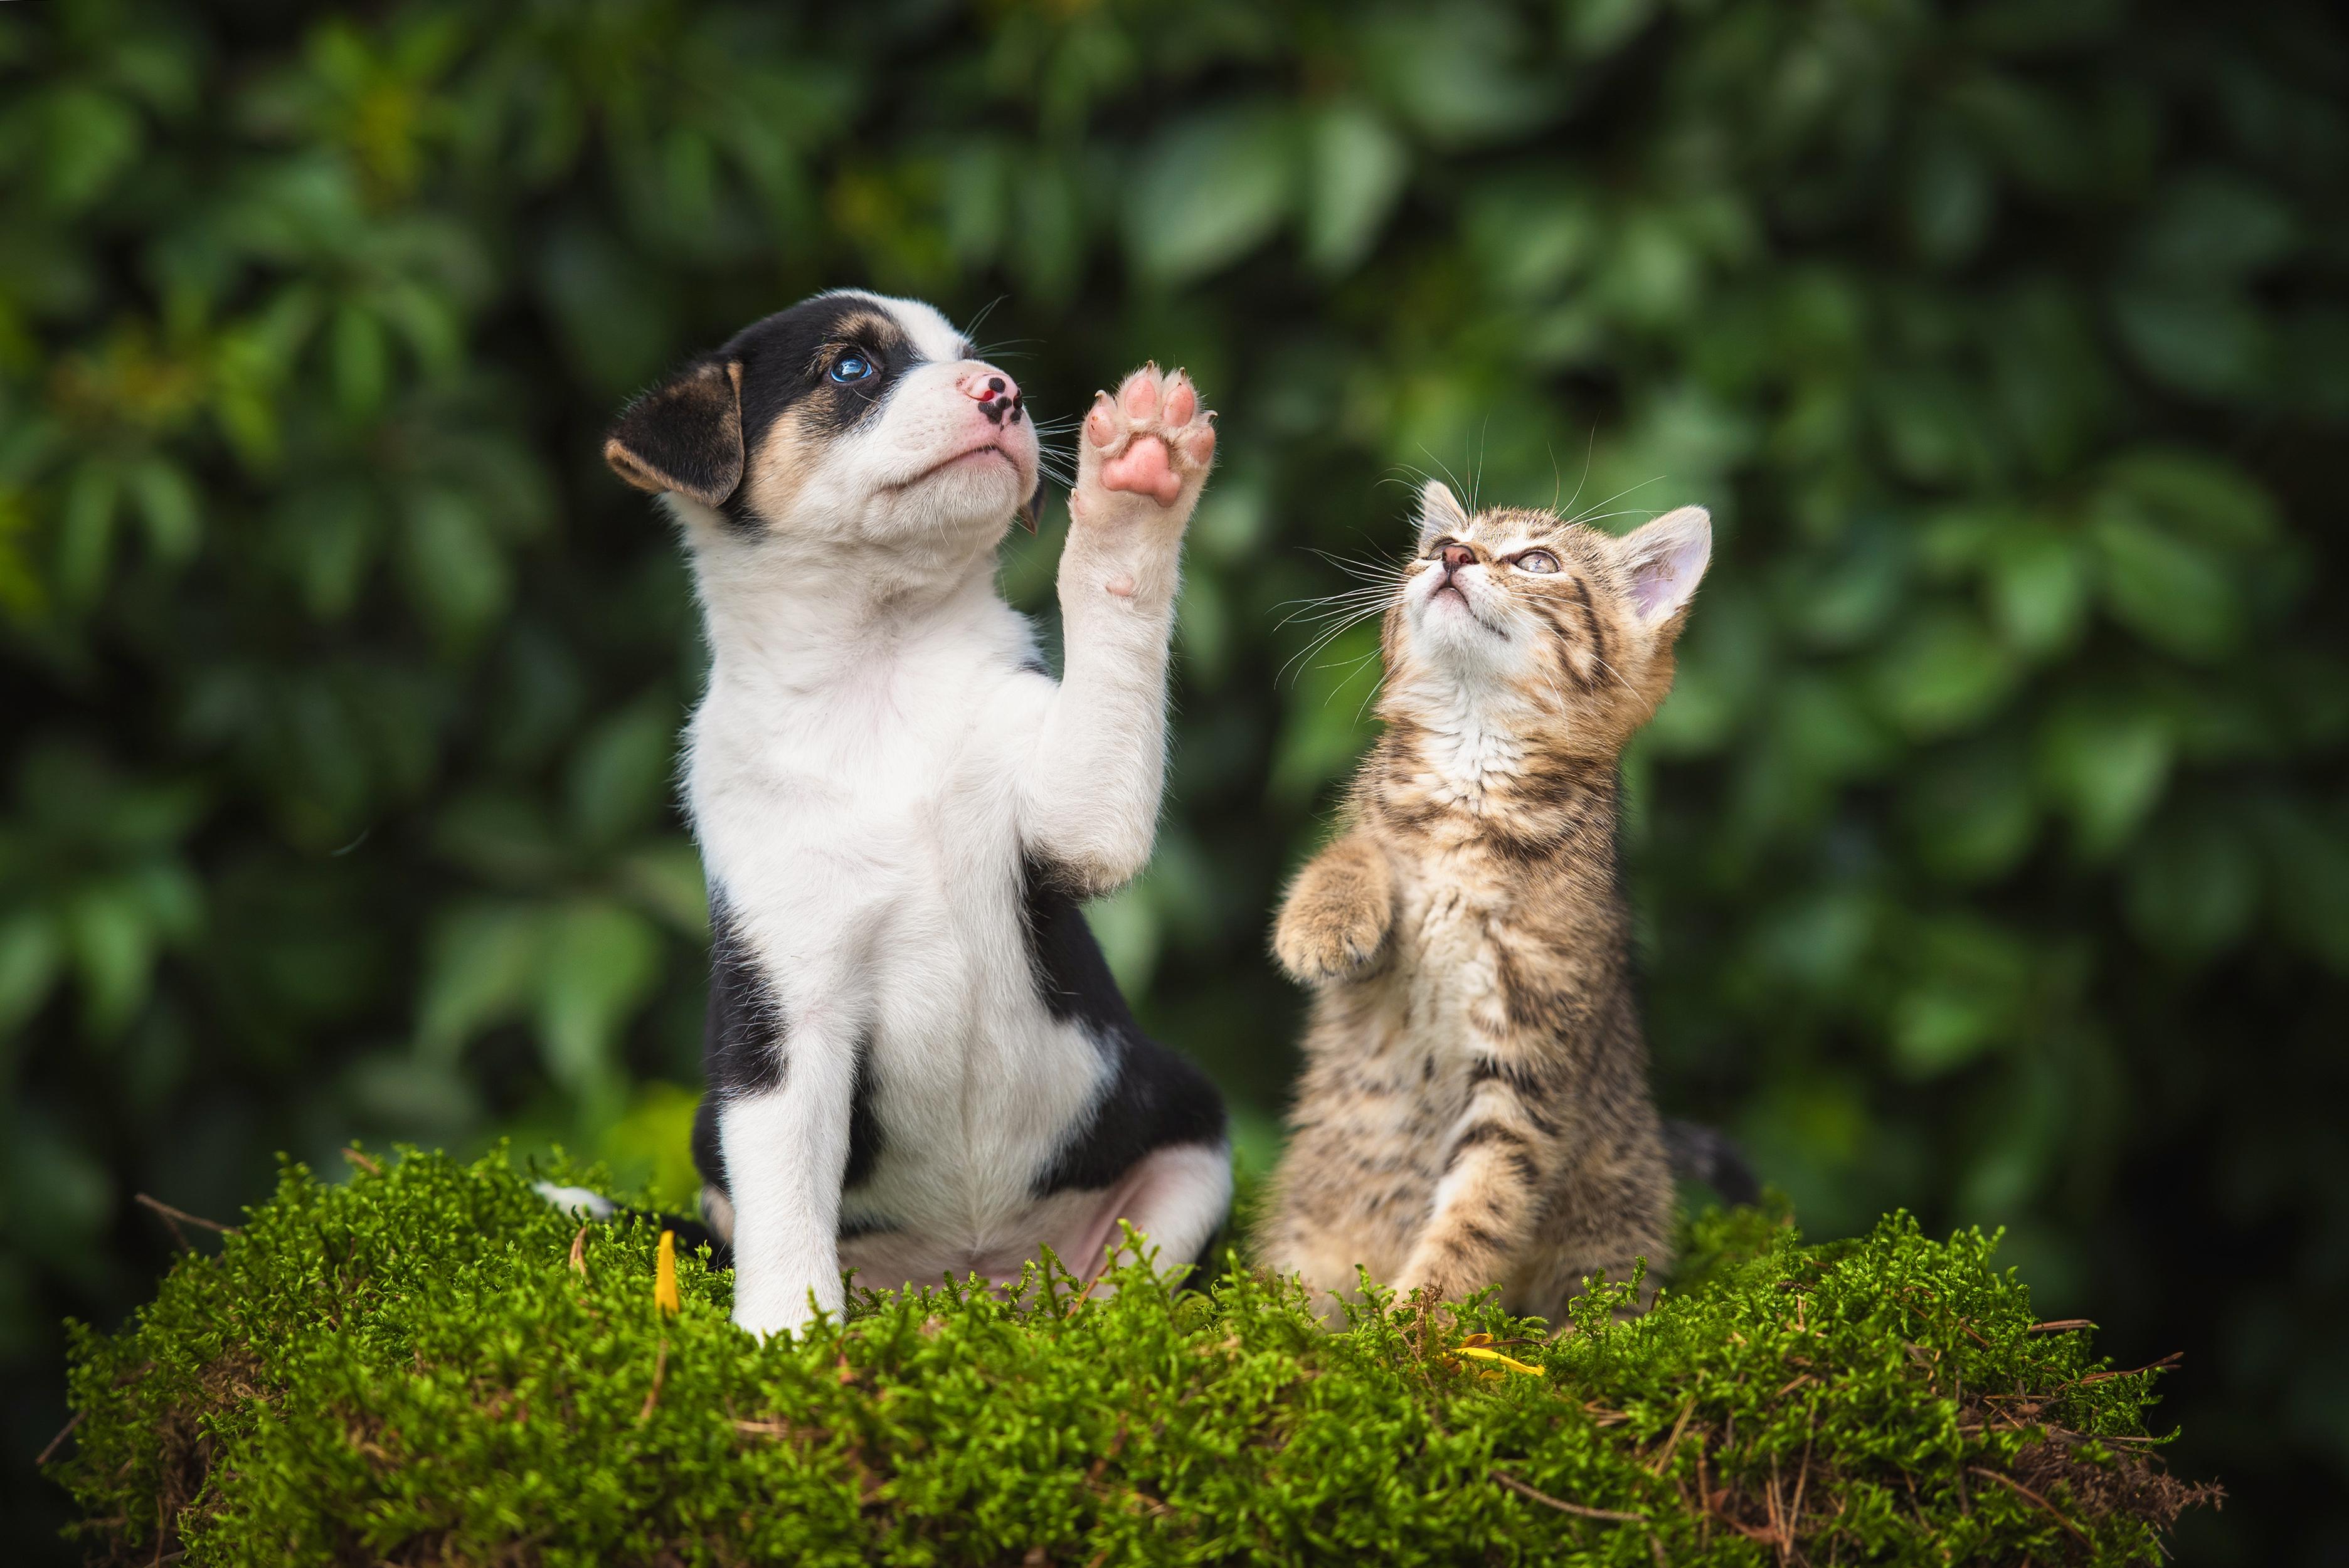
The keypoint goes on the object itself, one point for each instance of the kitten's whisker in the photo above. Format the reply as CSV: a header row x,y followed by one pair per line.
x,y
1319,640
1324,610
1588,447
1618,495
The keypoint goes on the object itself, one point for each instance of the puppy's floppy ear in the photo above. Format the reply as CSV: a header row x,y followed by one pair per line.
x,y
1440,513
685,435
1665,558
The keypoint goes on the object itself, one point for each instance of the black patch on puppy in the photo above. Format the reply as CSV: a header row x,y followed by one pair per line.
x,y
1154,1097
742,1037
787,361
864,1126
743,1031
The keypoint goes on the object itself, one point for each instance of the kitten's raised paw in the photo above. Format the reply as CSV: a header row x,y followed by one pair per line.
x,y
1144,451
1325,939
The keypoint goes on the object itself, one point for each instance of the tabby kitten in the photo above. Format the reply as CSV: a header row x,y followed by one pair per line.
x,y
1474,1107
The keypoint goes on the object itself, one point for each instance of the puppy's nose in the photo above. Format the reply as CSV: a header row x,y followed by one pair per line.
x,y
1457,556
996,394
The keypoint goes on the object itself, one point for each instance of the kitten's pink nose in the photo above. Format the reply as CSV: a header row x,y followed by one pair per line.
x,y
1457,556
996,394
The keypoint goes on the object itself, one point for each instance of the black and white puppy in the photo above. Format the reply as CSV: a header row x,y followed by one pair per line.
x,y
917,1062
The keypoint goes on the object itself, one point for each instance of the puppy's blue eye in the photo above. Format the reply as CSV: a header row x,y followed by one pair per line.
x,y
851,367
1536,561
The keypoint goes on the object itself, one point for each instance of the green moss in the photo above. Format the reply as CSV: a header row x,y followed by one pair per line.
x,y
408,1368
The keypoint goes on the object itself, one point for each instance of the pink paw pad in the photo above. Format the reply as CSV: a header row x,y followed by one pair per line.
x,y
1143,467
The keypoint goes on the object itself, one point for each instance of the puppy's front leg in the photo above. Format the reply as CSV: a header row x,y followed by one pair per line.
x,y
1090,800
786,1151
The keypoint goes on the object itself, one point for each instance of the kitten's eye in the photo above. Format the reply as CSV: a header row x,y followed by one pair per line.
x,y
1535,561
851,367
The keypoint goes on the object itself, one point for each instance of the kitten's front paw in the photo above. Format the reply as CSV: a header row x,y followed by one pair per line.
x,y
1321,939
1144,452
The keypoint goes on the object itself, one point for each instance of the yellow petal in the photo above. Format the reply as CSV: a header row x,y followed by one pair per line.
x,y
665,1275
1511,1362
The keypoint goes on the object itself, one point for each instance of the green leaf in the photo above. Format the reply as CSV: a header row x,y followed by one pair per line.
x,y
2038,588
85,531
623,771
1459,73
31,956
602,962
1051,226
1973,815
2205,340
668,881
2213,225
112,940
2105,763
1209,190
456,575
477,968
1356,167
1950,194
92,139
1530,238
1975,980
361,359
1596,28
1944,674
2175,595
329,535
2203,497
167,499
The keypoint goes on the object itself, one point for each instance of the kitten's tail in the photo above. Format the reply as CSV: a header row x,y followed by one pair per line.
x,y
1705,1154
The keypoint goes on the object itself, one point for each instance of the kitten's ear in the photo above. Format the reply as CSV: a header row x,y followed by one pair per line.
x,y
1665,559
1440,513
685,435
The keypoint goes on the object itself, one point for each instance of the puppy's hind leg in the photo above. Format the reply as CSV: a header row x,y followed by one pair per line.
x,y
1177,1197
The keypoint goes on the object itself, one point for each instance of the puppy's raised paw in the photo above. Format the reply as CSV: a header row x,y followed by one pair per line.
x,y
1144,452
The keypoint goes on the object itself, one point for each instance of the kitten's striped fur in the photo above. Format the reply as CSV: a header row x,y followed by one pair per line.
x,y
1474,1107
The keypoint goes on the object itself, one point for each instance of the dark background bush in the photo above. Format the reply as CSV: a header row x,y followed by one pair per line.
x,y
1993,855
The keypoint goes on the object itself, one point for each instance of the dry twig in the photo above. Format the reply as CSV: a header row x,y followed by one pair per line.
x,y
2009,1480
1578,1509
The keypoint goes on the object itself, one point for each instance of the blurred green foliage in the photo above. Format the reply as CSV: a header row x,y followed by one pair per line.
x,y
1992,856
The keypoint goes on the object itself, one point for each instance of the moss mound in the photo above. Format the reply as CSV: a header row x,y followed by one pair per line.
x,y
411,1369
